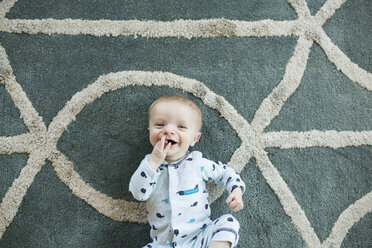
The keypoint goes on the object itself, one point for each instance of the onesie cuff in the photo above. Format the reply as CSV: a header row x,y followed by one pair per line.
x,y
236,185
145,166
226,234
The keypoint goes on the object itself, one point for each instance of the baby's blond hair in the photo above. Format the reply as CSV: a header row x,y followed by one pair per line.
x,y
179,99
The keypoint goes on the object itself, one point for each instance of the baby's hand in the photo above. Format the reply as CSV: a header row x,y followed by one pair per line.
x,y
159,153
235,200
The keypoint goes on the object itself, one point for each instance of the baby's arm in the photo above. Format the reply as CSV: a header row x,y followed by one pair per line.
x,y
225,176
143,181
145,177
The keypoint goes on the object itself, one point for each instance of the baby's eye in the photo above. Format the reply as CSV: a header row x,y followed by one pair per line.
x,y
159,125
182,126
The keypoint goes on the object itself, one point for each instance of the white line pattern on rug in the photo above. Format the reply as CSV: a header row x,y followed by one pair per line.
x,y
41,142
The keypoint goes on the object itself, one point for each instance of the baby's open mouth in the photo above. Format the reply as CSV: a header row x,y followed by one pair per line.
x,y
170,141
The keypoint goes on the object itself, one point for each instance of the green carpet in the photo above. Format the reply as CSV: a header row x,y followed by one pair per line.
x,y
285,90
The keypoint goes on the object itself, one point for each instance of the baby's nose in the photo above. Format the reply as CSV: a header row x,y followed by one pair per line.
x,y
169,129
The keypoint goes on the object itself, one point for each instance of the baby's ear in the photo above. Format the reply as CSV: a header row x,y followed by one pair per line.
x,y
196,139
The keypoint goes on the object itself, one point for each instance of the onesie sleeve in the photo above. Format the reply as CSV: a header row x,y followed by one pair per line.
x,y
143,181
222,175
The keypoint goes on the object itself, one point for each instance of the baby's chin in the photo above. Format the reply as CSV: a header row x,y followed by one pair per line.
x,y
171,159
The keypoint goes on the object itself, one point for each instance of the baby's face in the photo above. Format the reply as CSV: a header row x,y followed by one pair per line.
x,y
176,121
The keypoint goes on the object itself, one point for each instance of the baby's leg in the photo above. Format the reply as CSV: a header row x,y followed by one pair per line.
x,y
226,232
219,244
221,233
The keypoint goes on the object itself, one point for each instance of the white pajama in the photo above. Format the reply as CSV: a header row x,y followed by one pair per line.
x,y
177,204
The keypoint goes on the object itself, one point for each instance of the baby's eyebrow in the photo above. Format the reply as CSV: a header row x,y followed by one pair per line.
x,y
158,120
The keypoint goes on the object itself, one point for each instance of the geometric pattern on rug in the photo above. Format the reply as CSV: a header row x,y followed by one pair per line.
x,y
40,142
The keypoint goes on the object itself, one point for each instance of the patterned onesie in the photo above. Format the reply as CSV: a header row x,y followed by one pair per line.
x,y
177,204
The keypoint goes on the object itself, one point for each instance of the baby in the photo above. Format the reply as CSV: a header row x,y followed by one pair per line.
x,y
172,181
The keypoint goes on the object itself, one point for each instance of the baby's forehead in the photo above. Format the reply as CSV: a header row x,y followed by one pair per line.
x,y
194,110
182,106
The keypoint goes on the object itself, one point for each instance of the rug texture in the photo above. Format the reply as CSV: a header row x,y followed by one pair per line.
x,y
285,90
